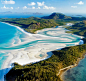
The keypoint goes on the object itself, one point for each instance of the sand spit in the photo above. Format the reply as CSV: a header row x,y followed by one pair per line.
x,y
39,51
53,39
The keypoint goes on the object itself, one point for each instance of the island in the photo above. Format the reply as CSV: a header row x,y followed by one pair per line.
x,y
61,60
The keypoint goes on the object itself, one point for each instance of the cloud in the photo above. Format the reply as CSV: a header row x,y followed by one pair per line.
x,y
6,7
40,4
8,2
33,7
25,7
11,7
17,7
74,6
32,4
38,8
80,3
46,7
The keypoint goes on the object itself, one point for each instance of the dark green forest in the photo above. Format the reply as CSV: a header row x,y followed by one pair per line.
x,y
78,28
48,69
33,24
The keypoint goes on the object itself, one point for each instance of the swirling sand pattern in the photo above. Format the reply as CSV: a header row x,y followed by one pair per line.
x,y
23,48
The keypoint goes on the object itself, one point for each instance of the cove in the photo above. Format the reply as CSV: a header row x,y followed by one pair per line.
x,y
16,45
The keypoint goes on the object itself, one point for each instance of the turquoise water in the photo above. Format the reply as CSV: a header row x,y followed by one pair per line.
x,y
41,55
2,58
6,33
12,38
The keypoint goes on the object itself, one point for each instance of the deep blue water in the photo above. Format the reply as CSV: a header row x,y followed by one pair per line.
x,y
21,15
75,14
37,15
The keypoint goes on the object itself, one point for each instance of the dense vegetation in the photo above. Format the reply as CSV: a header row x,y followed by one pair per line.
x,y
31,24
78,28
57,16
47,70
60,16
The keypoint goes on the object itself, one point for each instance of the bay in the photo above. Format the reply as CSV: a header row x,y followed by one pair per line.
x,y
14,40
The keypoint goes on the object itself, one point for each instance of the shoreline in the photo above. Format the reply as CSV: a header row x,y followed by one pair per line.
x,y
21,29
63,70
12,58
37,32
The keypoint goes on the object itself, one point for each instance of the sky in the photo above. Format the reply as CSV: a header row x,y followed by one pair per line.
x,y
43,6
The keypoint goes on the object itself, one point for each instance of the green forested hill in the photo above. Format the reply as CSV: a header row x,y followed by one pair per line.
x,y
57,16
78,28
47,70
31,24
60,16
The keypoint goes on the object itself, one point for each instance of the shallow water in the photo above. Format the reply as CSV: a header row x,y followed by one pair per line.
x,y
13,38
77,73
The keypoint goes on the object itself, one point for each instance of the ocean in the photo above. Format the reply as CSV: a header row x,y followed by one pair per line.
x,y
13,38
21,15
75,14
37,15
77,73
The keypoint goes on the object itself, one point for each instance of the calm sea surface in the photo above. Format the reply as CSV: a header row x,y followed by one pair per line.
x,y
21,15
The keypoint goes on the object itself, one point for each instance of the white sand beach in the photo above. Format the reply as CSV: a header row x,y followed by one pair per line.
x,y
41,50
32,54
